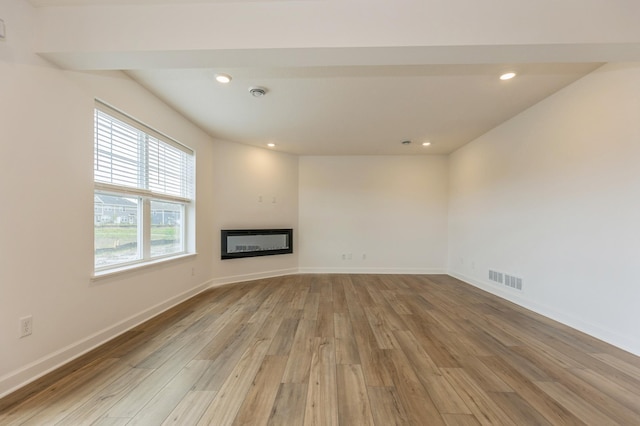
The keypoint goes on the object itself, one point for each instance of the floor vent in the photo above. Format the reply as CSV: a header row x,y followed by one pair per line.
x,y
508,280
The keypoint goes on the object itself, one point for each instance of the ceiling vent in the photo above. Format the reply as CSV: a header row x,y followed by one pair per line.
x,y
257,92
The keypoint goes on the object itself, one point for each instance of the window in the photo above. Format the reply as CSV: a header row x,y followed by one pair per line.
x,y
143,192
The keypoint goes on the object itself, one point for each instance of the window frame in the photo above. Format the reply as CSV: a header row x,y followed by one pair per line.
x,y
145,195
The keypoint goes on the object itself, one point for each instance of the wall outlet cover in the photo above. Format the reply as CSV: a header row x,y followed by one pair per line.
x,y
26,326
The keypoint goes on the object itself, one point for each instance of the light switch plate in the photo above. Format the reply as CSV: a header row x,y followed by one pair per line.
x,y
3,33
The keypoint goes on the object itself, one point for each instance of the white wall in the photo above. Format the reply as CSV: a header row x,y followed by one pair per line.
x,y
391,209
46,225
46,258
553,196
253,188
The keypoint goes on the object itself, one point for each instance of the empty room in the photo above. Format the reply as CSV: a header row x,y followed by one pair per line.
x,y
319,212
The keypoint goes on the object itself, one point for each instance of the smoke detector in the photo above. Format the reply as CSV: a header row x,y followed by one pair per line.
x,y
257,91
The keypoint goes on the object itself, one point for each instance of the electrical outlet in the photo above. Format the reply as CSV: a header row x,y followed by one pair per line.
x,y
193,272
26,326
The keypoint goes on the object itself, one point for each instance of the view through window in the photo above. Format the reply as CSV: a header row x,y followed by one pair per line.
x,y
143,184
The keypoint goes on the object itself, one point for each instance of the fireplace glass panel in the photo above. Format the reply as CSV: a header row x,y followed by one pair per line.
x,y
244,243
255,242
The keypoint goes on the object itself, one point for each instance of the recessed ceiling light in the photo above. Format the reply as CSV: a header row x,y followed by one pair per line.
x,y
223,78
271,145
426,143
507,76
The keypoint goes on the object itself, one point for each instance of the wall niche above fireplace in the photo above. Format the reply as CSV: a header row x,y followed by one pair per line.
x,y
237,243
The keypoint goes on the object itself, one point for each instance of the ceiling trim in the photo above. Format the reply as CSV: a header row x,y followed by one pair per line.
x,y
333,57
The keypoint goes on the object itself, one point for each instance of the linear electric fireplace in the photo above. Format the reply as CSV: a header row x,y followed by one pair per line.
x,y
255,242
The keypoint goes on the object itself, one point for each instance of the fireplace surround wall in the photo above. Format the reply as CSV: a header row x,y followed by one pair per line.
x,y
239,243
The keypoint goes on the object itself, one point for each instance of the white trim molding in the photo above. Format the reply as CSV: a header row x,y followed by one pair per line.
x,y
606,335
216,282
399,271
33,371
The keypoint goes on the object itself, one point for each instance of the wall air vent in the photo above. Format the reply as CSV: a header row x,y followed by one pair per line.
x,y
513,282
495,276
506,279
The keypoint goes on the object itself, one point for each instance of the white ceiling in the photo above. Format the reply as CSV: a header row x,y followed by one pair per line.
x,y
358,110
350,86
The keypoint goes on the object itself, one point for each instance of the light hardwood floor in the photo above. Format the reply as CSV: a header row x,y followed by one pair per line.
x,y
341,350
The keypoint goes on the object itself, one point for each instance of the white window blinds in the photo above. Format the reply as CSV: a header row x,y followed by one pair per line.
x,y
129,155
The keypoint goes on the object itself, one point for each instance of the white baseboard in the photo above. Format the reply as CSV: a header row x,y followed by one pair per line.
x,y
16,379
216,282
627,343
406,271
33,371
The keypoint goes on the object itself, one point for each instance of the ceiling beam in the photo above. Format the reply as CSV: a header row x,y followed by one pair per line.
x,y
336,32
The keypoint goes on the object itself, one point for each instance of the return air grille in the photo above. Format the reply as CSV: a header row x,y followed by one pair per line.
x,y
506,279
495,276
513,282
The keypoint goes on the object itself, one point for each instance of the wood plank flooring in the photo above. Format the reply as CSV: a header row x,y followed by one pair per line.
x,y
341,350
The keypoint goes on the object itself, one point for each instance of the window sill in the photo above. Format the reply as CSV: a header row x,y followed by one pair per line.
x,y
109,273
